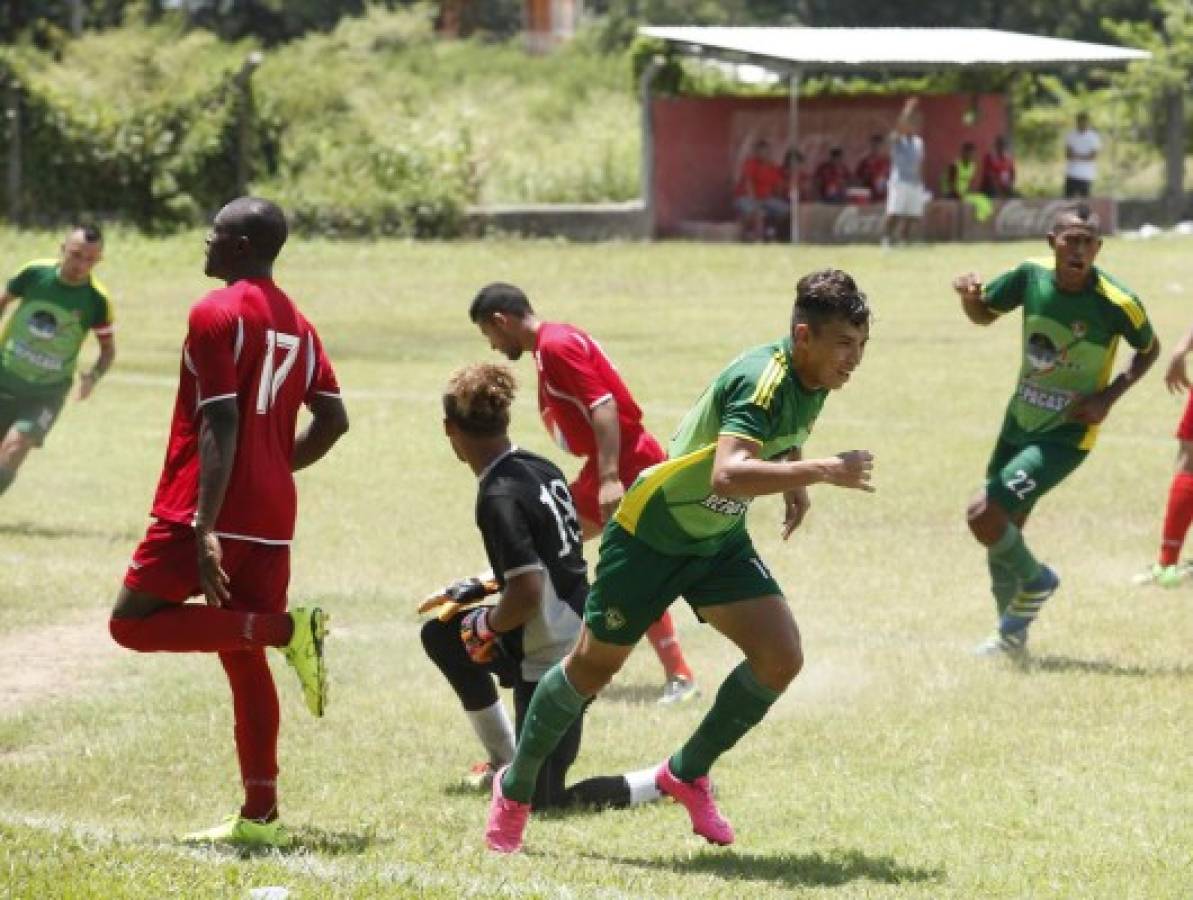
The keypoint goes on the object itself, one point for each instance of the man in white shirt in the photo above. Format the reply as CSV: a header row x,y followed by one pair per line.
x,y
1081,151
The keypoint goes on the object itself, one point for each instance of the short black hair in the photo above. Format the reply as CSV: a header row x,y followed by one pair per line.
x,y
1080,214
499,297
828,294
262,222
91,232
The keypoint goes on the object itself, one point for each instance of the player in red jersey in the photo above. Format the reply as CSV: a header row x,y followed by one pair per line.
x,y
225,504
589,412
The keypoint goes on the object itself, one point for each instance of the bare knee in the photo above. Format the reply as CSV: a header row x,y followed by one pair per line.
x,y
778,667
589,673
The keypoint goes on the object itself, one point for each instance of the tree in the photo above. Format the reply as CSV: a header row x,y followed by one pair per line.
x,y
1162,81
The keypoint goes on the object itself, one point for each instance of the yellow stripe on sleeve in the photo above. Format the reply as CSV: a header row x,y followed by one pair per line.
x,y
639,494
1123,300
770,375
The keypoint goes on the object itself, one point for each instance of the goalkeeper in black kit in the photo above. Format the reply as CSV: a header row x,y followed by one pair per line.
x,y
531,532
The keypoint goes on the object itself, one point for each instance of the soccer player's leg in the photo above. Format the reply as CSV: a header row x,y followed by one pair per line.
x,y
259,579
1178,513
1018,476
739,597
474,687
24,424
679,684
151,614
633,584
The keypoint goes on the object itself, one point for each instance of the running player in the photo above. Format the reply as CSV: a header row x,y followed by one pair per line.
x,y
531,532
680,530
57,303
589,412
1073,315
1167,570
225,504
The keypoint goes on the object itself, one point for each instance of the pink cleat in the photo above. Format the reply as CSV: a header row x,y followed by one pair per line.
x,y
696,797
507,819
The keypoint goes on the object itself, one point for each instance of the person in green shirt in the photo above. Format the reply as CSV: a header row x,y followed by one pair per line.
x,y
1074,315
55,303
680,531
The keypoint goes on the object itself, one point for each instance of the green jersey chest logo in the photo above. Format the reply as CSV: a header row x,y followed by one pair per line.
x,y
1044,356
43,325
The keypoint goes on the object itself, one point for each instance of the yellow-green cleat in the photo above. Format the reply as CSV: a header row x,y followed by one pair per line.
x,y
241,832
305,654
1162,576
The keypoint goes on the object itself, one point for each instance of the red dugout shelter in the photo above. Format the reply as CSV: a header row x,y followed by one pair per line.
x,y
692,147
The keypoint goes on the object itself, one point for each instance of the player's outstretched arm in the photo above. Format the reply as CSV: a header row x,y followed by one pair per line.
x,y
739,470
969,288
329,422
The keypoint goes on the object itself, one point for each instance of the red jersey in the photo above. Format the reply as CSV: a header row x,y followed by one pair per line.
x,y
760,179
249,342
998,174
575,376
874,171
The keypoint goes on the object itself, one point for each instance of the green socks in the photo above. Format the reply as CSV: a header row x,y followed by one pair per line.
x,y
1012,553
7,477
553,708
1004,583
740,705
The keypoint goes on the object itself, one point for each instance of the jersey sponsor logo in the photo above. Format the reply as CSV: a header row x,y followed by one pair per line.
x,y
1043,398
1079,329
36,358
43,325
1044,356
725,506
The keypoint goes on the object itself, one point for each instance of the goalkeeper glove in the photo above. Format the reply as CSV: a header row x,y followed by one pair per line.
x,y
480,640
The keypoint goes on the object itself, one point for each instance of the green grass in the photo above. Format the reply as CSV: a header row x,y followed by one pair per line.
x,y
897,766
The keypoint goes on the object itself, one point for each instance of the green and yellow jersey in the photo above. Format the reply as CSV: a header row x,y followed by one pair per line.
x,y
40,344
1069,342
671,505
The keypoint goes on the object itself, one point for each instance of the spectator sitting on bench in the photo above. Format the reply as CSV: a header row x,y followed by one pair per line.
x,y
759,195
960,182
998,170
874,169
832,178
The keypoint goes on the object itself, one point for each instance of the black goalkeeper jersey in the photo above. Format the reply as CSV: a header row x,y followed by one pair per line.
x,y
529,523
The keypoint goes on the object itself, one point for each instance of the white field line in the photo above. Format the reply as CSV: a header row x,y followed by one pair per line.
x,y
330,870
1107,435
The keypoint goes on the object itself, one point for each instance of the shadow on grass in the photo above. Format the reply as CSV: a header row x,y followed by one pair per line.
x,y
53,532
792,869
1062,664
631,693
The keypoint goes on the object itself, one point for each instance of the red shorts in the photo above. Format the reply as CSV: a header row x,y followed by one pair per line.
x,y
1184,431
585,489
165,565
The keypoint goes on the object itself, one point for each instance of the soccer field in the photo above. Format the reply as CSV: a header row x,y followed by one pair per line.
x,y
896,766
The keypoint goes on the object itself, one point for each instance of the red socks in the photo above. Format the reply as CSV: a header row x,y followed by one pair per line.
x,y
192,628
1177,517
255,707
662,637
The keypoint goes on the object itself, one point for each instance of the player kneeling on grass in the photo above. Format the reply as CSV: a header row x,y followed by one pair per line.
x,y
1073,315
680,530
225,505
531,532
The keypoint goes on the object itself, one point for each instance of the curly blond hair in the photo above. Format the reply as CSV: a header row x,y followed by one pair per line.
x,y
478,398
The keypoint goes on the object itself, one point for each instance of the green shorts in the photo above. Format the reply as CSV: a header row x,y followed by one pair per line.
x,y
32,414
1020,474
635,583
